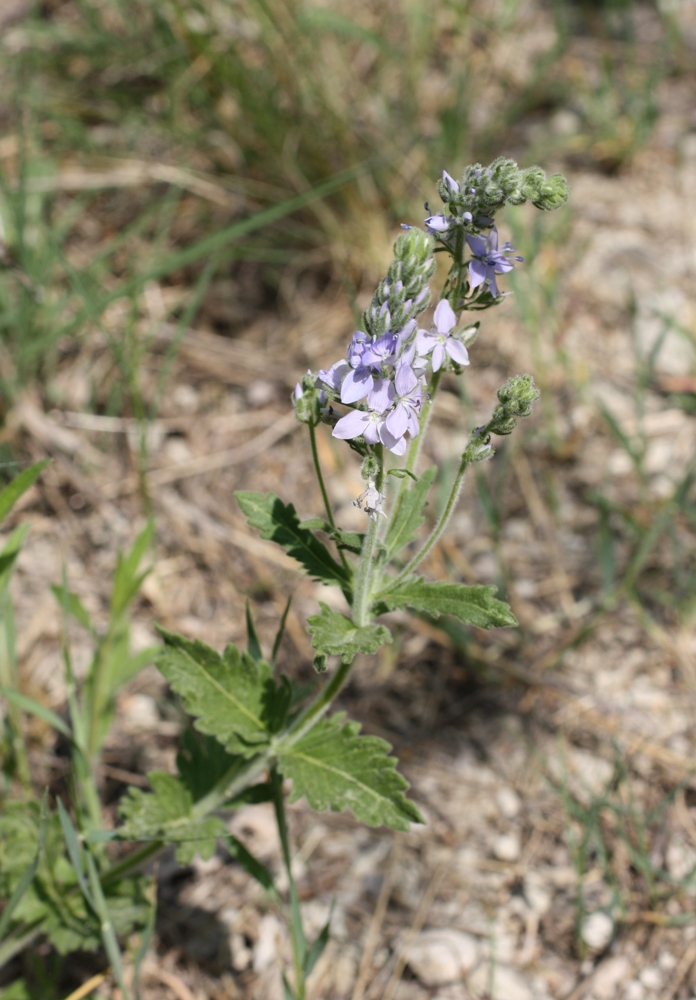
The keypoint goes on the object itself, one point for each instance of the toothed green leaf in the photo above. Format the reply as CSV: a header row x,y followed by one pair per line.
x,y
473,605
333,633
225,693
279,523
165,814
335,768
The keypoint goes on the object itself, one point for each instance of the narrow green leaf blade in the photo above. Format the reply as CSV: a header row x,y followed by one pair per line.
x,y
316,950
335,768
225,693
73,606
28,704
404,525
9,554
253,644
74,852
20,484
334,633
279,523
251,865
473,605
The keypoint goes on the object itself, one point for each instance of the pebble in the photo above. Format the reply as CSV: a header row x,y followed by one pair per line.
x,y
509,802
267,946
507,984
507,847
609,975
597,930
634,990
140,711
441,955
651,977
537,895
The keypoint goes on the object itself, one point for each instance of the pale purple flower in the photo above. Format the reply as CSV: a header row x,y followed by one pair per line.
x,y
439,341
366,359
333,376
408,389
489,260
438,223
450,182
371,425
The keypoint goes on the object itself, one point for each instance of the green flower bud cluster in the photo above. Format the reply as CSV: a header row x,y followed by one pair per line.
x,y
308,400
485,189
516,399
404,293
370,468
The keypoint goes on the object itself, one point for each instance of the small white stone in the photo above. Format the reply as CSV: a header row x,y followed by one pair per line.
x,y
241,955
268,943
666,961
509,802
440,955
609,975
507,983
634,991
597,930
507,847
537,895
651,977
141,711
680,858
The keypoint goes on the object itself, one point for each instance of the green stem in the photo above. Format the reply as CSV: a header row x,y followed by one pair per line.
x,y
414,449
322,487
362,593
299,942
437,532
320,477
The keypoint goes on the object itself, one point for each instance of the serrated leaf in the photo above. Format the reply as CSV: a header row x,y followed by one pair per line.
x,y
473,605
225,694
334,633
28,874
408,517
202,761
352,541
165,814
335,768
279,523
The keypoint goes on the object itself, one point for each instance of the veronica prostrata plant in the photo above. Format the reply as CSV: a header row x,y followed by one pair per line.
x,y
257,734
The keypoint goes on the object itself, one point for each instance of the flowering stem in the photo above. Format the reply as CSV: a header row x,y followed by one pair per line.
x,y
363,576
320,477
416,444
439,528
322,487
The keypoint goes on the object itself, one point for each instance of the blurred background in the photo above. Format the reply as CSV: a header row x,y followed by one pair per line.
x,y
197,199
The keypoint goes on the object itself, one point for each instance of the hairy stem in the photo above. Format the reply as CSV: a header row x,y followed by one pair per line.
x,y
362,593
439,528
322,487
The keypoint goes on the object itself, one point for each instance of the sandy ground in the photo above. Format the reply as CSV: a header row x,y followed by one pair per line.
x,y
554,763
